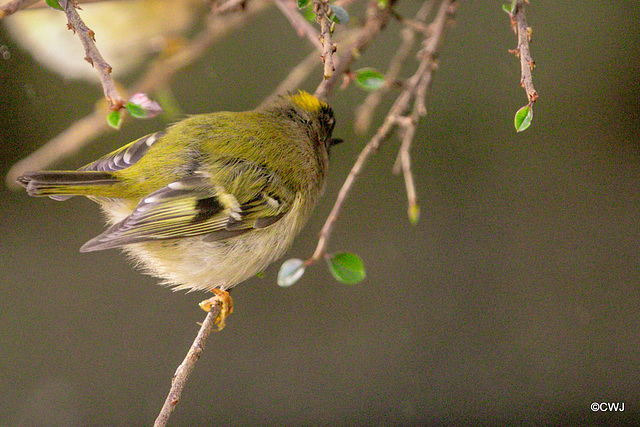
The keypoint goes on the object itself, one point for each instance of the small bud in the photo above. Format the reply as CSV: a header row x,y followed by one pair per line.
x,y
141,107
414,214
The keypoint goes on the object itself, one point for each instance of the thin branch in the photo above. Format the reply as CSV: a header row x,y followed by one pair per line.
x,y
228,6
404,157
13,6
415,85
369,149
36,4
376,20
301,71
322,11
304,29
419,91
519,21
365,111
87,37
184,370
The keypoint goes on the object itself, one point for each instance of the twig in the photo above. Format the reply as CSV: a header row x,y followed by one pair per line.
x,y
228,6
365,111
182,373
87,37
290,10
404,158
13,6
419,91
519,22
301,71
370,148
322,11
160,72
376,20
417,84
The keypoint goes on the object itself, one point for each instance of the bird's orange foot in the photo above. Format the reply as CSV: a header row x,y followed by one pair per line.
x,y
226,306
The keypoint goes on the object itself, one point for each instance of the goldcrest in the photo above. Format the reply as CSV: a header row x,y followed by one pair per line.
x,y
212,200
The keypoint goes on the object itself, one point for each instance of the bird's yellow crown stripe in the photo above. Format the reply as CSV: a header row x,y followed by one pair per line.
x,y
308,101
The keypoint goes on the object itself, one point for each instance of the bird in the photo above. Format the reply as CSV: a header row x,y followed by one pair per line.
x,y
211,200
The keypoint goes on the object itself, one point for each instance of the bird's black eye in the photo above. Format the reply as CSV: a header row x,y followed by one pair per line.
x,y
330,122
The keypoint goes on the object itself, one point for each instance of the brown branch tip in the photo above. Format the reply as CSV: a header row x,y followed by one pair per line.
x,y
93,56
523,51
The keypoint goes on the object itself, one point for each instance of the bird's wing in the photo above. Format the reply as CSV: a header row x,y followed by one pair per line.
x,y
124,156
199,205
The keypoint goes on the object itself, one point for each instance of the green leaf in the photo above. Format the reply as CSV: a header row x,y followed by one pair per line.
x,y
383,4
290,271
341,15
346,267
114,119
136,110
303,3
308,14
369,78
54,4
508,8
523,118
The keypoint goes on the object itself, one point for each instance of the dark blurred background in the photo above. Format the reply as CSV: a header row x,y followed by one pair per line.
x,y
514,301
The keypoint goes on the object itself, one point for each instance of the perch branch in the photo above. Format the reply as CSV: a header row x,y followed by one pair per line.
x,y
184,370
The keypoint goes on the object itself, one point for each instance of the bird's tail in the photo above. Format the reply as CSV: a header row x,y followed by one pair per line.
x,y
62,185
